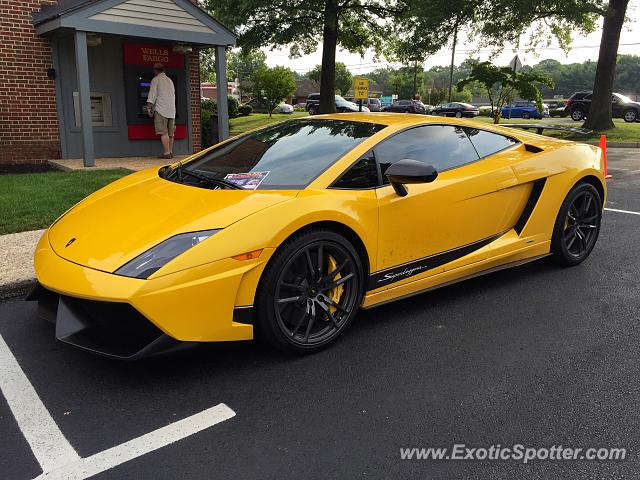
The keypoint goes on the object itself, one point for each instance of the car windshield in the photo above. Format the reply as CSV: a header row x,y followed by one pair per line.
x,y
285,156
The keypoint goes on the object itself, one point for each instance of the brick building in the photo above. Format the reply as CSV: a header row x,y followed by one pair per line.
x,y
65,61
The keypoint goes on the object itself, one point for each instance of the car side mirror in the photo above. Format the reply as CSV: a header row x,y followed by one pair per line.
x,y
409,171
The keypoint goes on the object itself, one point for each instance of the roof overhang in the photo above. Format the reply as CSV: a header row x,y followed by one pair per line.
x,y
174,20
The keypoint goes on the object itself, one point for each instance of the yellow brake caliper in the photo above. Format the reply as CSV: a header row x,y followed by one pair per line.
x,y
336,293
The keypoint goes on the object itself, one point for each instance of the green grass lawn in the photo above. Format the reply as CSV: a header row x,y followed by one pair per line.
x,y
32,201
242,124
624,132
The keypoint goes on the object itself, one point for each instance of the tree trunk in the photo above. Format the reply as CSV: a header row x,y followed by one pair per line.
x,y
328,72
599,116
453,57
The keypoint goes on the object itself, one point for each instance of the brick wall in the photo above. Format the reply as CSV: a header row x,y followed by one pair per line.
x,y
194,85
28,120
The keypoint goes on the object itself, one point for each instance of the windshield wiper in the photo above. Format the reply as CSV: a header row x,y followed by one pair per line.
x,y
206,179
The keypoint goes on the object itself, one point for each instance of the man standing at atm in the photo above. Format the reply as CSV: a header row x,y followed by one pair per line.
x,y
161,105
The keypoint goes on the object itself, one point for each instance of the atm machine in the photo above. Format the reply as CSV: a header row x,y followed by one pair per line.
x,y
138,68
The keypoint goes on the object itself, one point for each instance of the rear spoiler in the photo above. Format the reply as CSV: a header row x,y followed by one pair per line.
x,y
540,127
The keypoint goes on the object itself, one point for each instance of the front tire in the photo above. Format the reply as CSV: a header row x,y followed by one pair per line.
x,y
309,292
458,114
577,226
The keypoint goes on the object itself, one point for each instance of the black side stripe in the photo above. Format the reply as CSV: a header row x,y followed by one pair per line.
x,y
534,196
400,272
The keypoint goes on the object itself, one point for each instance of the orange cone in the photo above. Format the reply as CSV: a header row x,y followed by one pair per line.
x,y
603,146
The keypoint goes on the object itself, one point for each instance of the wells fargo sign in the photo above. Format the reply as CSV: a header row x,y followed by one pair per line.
x,y
139,54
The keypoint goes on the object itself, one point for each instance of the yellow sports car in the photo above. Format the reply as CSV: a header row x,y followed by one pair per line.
x,y
283,233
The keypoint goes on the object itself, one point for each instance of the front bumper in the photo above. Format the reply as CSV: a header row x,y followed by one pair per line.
x,y
193,305
112,329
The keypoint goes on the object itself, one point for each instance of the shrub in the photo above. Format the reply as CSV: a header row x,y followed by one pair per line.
x,y
208,110
232,106
245,110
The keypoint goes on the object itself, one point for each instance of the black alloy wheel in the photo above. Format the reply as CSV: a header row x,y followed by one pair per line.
x,y
310,292
630,116
577,226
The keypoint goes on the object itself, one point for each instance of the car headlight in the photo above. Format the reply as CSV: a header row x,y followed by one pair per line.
x,y
155,258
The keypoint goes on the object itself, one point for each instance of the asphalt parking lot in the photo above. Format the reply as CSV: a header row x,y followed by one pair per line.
x,y
537,356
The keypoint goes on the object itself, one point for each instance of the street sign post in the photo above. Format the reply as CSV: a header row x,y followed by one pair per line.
x,y
360,90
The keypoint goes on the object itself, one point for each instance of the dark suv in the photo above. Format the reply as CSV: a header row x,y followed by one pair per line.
x,y
621,107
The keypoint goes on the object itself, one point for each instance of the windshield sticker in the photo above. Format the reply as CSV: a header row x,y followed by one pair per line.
x,y
248,181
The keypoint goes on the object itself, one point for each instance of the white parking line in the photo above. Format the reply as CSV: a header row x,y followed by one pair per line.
x,y
57,458
622,211
87,467
47,442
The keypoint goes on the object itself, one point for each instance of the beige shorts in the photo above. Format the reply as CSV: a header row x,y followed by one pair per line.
x,y
164,125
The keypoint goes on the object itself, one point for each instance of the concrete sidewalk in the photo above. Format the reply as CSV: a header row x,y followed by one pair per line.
x,y
16,263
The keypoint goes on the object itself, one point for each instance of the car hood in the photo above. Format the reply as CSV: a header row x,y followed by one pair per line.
x,y
126,218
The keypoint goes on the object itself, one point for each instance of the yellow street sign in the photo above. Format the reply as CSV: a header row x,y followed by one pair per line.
x,y
361,88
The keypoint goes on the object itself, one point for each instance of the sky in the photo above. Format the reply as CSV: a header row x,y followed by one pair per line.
x,y
583,48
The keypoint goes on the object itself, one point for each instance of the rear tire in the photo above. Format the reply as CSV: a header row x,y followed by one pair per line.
x,y
630,116
577,226
303,304
577,115
526,115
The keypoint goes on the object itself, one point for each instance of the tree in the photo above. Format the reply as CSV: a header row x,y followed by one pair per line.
x,y
272,85
599,118
207,65
242,64
344,79
301,24
501,83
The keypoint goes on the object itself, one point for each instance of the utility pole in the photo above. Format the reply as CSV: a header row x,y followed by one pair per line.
x,y
453,55
415,75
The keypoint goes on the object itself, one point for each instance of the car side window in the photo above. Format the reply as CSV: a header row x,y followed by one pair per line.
x,y
488,143
361,175
443,146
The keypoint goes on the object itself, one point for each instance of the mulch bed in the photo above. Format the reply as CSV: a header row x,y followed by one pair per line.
x,y
27,168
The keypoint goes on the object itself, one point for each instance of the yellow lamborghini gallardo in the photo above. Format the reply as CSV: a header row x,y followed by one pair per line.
x,y
283,233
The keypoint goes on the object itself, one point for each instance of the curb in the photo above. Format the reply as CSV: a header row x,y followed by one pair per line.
x,y
617,144
15,289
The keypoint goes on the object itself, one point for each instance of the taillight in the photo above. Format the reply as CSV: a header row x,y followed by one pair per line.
x,y
469,108
568,101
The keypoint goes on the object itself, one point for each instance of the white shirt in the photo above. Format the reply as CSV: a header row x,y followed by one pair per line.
x,y
162,95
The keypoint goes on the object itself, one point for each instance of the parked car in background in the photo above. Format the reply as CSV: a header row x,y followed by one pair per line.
x,y
523,109
621,107
406,106
373,104
283,108
260,107
558,109
456,109
342,105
